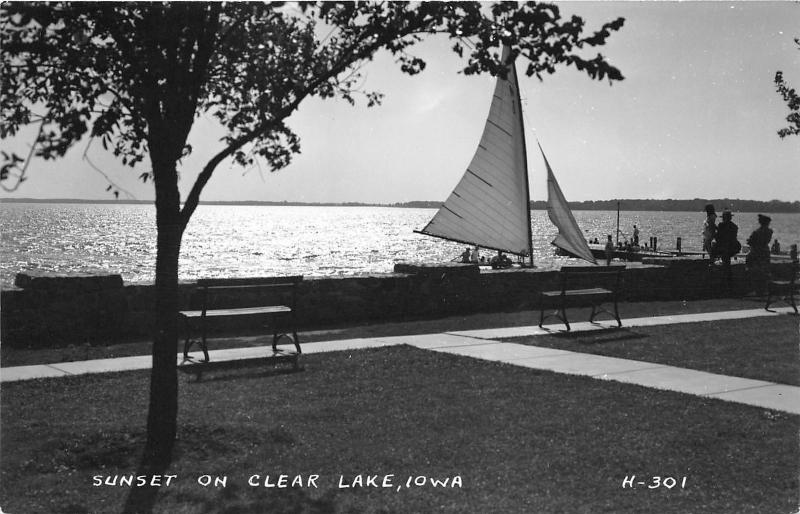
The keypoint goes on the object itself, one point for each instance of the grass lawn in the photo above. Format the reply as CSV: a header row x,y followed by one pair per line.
x,y
759,348
22,357
520,441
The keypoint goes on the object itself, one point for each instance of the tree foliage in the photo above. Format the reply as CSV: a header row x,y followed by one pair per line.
x,y
792,100
118,71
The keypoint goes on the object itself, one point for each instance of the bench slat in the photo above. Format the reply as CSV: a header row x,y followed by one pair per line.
x,y
274,309
576,292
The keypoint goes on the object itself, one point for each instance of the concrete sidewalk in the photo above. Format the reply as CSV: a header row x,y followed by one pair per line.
x,y
483,344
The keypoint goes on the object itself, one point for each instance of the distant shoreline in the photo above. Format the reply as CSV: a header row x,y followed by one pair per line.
x,y
696,204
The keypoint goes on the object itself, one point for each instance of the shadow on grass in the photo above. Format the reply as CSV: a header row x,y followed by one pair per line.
x,y
605,336
141,500
206,443
236,370
601,336
86,452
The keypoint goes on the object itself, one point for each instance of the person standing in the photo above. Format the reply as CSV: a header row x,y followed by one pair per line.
x,y
609,250
726,242
475,257
709,231
758,258
635,236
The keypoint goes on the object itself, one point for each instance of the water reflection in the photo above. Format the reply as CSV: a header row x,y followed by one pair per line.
x,y
239,241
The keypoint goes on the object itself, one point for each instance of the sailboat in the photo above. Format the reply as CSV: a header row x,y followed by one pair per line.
x,y
490,205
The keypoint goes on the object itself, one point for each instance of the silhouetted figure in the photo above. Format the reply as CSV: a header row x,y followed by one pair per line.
x,y
609,250
500,261
709,231
726,244
776,247
758,258
635,236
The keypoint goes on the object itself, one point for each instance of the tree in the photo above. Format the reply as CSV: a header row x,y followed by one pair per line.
x,y
792,99
137,75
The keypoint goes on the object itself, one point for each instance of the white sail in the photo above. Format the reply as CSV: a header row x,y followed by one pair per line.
x,y
569,238
490,206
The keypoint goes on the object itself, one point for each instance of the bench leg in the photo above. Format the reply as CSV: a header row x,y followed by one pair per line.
x,y
204,344
564,314
293,336
189,342
560,313
616,313
297,343
788,299
541,314
597,309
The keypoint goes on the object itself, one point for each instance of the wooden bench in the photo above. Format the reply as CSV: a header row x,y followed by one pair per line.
x,y
277,305
607,281
784,290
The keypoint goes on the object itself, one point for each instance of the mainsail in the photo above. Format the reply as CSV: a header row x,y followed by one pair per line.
x,y
569,238
490,206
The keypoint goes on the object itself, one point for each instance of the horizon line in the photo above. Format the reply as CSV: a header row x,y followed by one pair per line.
x,y
731,201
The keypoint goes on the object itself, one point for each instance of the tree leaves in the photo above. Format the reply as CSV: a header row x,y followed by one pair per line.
x,y
792,100
137,76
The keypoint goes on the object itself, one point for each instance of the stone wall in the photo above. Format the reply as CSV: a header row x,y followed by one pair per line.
x,y
45,311
57,310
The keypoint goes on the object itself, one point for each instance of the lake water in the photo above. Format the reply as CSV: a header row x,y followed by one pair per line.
x,y
240,241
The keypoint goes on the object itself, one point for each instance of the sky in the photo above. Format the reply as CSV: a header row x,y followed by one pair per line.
x,y
696,116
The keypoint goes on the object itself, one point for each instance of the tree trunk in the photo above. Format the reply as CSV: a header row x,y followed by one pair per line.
x,y
162,418
163,411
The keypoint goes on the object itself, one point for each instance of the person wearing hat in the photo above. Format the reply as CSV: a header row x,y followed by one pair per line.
x,y
709,229
758,258
726,243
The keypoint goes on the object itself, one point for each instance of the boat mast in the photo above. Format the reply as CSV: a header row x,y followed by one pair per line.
x,y
525,158
617,243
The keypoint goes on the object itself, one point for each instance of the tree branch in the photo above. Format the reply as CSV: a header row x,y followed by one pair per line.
x,y
193,199
21,176
98,170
